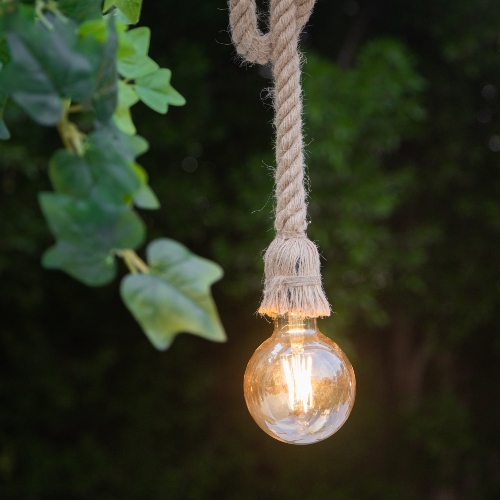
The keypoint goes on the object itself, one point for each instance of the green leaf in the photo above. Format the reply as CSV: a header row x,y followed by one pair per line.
x,y
47,65
107,5
4,51
139,63
138,145
128,146
116,181
4,131
136,66
80,10
131,8
127,97
120,17
87,235
145,197
155,91
140,38
70,174
106,94
141,174
125,46
96,28
174,98
175,297
103,172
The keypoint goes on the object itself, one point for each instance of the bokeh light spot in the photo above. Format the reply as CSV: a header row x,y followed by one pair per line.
x,y
484,116
494,143
351,8
489,92
189,164
195,150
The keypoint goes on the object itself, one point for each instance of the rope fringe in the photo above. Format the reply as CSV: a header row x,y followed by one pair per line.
x,y
292,267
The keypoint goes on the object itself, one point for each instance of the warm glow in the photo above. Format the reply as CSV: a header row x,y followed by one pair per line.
x,y
298,369
299,385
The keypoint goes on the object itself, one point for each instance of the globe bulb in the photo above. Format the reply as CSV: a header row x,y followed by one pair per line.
x,y
299,385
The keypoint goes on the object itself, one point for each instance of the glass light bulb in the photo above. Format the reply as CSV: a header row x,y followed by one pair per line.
x,y
299,385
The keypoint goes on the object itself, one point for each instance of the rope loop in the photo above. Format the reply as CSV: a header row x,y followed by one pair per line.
x,y
253,45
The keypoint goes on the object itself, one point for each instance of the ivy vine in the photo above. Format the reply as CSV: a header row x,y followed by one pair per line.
x,y
60,59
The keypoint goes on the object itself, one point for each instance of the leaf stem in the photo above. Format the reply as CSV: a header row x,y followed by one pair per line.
x,y
133,261
51,6
39,8
71,136
75,108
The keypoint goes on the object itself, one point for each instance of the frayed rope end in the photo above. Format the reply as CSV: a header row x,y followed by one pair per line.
x,y
293,280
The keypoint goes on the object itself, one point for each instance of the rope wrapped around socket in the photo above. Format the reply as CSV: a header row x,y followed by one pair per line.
x,y
291,262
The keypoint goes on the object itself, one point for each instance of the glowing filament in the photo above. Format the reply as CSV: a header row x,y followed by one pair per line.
x,y
298,369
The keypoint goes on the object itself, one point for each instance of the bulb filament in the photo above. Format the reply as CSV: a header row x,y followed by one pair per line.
x,y
298,368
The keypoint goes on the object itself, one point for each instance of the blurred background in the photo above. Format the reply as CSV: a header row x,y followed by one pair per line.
x,y
402,104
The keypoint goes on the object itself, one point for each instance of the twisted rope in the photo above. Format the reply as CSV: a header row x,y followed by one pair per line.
x,y
293,281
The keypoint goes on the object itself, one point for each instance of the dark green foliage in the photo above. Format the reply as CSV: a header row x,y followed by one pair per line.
x,y
48,65
64,58
81,10
4,131
405,197
87,232
105,97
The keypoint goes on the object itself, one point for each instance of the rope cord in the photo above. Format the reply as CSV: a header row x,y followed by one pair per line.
x,y
293,281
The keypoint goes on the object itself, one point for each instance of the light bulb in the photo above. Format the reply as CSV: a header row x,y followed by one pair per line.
x,y
299,385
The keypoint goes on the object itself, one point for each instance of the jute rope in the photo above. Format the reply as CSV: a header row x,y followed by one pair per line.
x,y
291,262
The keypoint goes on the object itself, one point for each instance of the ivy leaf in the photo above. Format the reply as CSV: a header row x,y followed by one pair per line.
x,y
128,146
106,94
80,10
116,180
125,46
120,17
131,8
4,50
136,66
47,65
107,5
101,173
145,196
87,235
106,171
139,63
96,28
70,174
140,38
156,92
138,145
4,131
127,97
175,296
